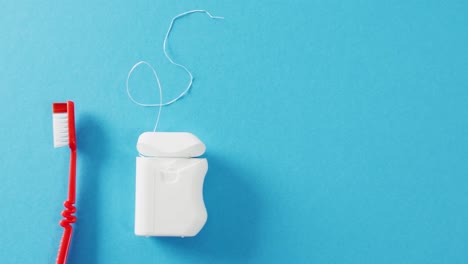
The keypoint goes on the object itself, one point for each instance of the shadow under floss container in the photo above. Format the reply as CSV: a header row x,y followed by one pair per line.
x,y
169,184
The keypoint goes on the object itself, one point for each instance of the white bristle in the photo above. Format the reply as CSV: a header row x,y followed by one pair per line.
x,y
60,126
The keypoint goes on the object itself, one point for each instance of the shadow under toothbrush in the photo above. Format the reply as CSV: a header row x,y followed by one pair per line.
x,y
234,209
93,151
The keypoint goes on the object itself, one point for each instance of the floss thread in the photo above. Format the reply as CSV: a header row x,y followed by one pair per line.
x,y
145,63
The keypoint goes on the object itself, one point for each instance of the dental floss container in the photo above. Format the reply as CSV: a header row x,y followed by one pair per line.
x,y
169,185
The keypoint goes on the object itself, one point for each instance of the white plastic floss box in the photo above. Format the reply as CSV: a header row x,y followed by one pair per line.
x,y
169,185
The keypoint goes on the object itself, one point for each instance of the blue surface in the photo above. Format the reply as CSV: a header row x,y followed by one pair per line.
x,y
336,130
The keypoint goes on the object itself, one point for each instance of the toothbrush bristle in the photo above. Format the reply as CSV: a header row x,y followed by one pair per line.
x,y
60,125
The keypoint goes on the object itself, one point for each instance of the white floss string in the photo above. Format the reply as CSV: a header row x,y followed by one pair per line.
x,y
161,104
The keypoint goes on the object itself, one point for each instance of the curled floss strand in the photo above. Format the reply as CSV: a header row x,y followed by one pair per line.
x,y
169,58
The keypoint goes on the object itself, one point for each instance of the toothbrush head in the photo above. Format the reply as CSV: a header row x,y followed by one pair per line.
x,y
63,118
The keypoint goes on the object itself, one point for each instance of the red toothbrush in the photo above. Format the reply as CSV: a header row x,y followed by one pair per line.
x,y
64,134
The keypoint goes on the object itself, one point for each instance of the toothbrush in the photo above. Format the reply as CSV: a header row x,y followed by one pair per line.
x,y
64,134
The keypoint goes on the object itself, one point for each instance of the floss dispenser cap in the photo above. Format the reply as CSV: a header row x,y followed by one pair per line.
x,y
170,145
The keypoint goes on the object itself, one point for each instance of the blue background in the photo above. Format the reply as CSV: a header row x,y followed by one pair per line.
x,y
336,131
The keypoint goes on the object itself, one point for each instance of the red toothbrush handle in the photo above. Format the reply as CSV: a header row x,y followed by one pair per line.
x,y
64,244
68,212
